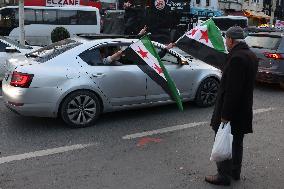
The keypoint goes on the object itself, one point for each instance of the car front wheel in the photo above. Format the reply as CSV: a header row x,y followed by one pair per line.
x,y
207,92
80,109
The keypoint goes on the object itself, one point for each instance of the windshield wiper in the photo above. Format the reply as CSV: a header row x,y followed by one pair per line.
x,y
257,47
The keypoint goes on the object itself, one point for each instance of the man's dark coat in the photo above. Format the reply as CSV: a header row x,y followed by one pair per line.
x,y
235,95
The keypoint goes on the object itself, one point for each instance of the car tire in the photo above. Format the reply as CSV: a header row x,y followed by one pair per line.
x,y
80,109
206,94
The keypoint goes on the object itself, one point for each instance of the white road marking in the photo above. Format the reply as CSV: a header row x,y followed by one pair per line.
x,y
184,126
164,130
262,110
43,153
1,97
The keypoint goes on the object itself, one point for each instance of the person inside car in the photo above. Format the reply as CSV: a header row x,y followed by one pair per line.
x,y
117,54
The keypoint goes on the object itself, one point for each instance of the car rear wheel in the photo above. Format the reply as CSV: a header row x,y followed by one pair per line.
x,y
207,92
80,109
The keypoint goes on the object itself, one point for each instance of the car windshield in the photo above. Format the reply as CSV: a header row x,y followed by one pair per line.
x,y
263,42
15,43
46,53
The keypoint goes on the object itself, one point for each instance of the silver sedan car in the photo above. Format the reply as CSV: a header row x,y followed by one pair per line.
x,y
68,80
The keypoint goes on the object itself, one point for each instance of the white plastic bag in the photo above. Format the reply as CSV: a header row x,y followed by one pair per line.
x,y
222,147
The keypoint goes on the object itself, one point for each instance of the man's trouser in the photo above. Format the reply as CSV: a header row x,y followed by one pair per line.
x,y
234,165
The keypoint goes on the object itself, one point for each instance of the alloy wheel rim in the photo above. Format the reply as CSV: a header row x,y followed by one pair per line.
x,y
208,93
81,110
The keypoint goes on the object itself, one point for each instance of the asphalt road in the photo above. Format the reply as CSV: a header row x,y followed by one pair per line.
x,y
172,153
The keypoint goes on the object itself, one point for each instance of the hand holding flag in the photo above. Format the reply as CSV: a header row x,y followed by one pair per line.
x,y
205,42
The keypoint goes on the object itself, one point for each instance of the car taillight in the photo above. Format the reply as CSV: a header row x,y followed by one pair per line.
x,y
274,55
21,79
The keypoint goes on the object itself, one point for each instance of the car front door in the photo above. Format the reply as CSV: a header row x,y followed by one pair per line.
x,y
181,75
121,84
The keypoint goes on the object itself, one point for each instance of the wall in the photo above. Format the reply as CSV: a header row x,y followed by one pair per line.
x,y
253,5
213,4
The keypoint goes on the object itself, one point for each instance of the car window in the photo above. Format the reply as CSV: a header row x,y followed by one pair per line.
x,y
15,43
168,58
87,18
49,16
96,56
3,46
91,56
46,53
265,42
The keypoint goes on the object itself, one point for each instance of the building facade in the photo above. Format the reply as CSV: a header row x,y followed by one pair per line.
x,y
253,5
279,12
4,3
207,4
231,6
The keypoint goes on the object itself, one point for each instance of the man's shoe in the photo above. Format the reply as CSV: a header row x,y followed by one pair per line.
x,y
218,180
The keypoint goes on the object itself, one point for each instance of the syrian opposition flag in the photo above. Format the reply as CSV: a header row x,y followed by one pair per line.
x,y
205,42
144,54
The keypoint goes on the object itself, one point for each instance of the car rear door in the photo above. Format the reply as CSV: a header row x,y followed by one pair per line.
x,y
121,84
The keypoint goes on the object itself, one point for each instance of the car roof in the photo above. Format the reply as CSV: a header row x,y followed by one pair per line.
x,y
90,43
100,41
273,34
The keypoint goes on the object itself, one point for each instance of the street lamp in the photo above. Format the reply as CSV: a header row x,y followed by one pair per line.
x,y
21,22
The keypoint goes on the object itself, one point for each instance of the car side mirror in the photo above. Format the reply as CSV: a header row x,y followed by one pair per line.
x,y
11,50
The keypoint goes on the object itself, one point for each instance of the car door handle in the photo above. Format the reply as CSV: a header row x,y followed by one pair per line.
x,y
98,75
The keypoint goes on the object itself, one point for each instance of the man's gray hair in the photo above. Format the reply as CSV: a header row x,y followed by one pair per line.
x,y
235,32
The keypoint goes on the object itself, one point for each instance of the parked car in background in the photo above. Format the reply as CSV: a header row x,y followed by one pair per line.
x,y
225,22
269,48
67,79
40,21
9,48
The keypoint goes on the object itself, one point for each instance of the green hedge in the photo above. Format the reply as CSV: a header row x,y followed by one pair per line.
x,y
59,34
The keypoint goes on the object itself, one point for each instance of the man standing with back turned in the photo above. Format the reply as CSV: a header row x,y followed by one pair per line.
x,y
234,102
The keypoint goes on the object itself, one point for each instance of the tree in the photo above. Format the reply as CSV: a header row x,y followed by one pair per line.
x,y
59,33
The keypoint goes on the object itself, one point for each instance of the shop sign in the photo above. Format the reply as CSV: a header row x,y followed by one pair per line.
x,y
62,3
160,4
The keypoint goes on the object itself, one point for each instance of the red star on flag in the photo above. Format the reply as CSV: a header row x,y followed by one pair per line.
x,y
158,69
142,53
194,31
204,35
